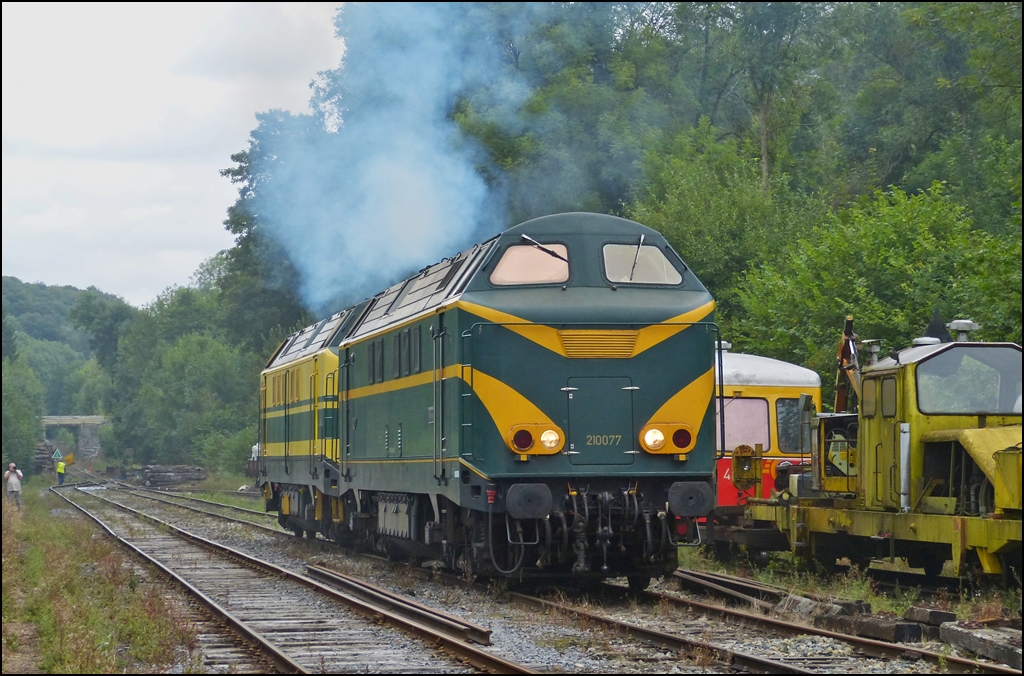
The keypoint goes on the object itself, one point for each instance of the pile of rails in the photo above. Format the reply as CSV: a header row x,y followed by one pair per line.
x,y
172,475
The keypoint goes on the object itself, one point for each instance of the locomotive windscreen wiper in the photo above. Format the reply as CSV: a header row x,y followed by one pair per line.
x,y
636,258
546,250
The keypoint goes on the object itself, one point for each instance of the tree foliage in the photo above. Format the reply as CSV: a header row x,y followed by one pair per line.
x,y
22,408
808,161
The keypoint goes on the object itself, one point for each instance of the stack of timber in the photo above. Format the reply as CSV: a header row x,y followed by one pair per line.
x,y
172,475
42,461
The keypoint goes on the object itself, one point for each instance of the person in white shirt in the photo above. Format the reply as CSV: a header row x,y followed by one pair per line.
x,y
13,477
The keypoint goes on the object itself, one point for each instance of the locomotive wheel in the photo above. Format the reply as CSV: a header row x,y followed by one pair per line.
x,y
311,534
638,583
296,530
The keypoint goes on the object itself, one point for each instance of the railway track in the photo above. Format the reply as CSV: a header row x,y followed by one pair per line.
x,y
722,641
292,620
860,646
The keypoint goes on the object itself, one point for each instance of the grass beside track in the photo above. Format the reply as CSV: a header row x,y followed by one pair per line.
x,y
854,585
74,603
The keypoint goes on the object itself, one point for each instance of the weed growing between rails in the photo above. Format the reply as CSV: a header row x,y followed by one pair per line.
x,y
855,584
93,610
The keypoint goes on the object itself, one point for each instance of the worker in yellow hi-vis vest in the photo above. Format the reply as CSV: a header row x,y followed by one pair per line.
x,y
60,472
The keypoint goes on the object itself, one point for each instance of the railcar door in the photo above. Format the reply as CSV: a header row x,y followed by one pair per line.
x,y
601,421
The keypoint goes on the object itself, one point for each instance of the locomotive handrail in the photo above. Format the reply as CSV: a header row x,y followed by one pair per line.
x,y
343,416
331,434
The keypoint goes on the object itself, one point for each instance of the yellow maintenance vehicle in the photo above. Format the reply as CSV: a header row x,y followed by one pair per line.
x,y
922,461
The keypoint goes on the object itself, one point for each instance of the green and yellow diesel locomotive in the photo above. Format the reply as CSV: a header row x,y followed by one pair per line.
x,y
537,406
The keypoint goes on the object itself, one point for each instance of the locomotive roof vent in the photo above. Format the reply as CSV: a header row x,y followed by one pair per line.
x,y
962,328
724,345
925,340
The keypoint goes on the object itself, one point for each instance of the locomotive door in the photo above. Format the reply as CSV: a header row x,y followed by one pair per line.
x,y
601,421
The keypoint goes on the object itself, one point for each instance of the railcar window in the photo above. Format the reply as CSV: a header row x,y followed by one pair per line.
x,y
975,380
869,404
787,423
651,265
526,264
746,422
888,397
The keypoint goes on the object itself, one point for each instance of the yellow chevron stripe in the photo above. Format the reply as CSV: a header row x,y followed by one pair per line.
x,y
687,406
552,339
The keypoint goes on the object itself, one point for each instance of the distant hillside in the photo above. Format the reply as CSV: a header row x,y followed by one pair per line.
x,y
41,312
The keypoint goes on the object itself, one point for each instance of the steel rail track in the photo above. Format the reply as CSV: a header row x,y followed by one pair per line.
x,y
278,530
281,661
205,502
738,588
867,646
697,648
445,635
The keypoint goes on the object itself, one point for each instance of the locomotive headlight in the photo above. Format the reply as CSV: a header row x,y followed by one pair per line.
x,y
654,439
549,439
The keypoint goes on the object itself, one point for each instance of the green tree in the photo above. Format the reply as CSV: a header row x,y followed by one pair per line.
x,y
53,364
10,344
105,319
22,409
87,389
706,197
202,396
890,261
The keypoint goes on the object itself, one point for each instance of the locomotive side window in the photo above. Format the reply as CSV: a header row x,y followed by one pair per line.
x,y
526,264
397,356
635,264
869,404
888,397
378,369
371,361
746,422
404,356
414,350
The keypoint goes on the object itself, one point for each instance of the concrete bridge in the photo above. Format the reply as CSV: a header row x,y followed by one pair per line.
x,y
86,429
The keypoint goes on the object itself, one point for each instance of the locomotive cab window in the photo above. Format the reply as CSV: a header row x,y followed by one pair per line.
x,y
974,380
638,264
869,404
528,264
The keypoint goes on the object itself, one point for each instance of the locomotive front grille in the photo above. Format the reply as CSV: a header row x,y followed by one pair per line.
x,y
597,344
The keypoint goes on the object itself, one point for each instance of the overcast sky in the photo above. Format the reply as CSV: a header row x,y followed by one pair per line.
x,y
117,120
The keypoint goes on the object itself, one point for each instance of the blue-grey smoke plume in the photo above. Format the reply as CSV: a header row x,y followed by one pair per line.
x,y
379,181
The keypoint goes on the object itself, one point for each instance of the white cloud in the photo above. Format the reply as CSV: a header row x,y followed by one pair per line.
x,y
117,119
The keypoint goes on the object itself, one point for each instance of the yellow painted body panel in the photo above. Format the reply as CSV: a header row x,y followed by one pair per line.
x,y
986,535
687,408
772,393
511,411
307,385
